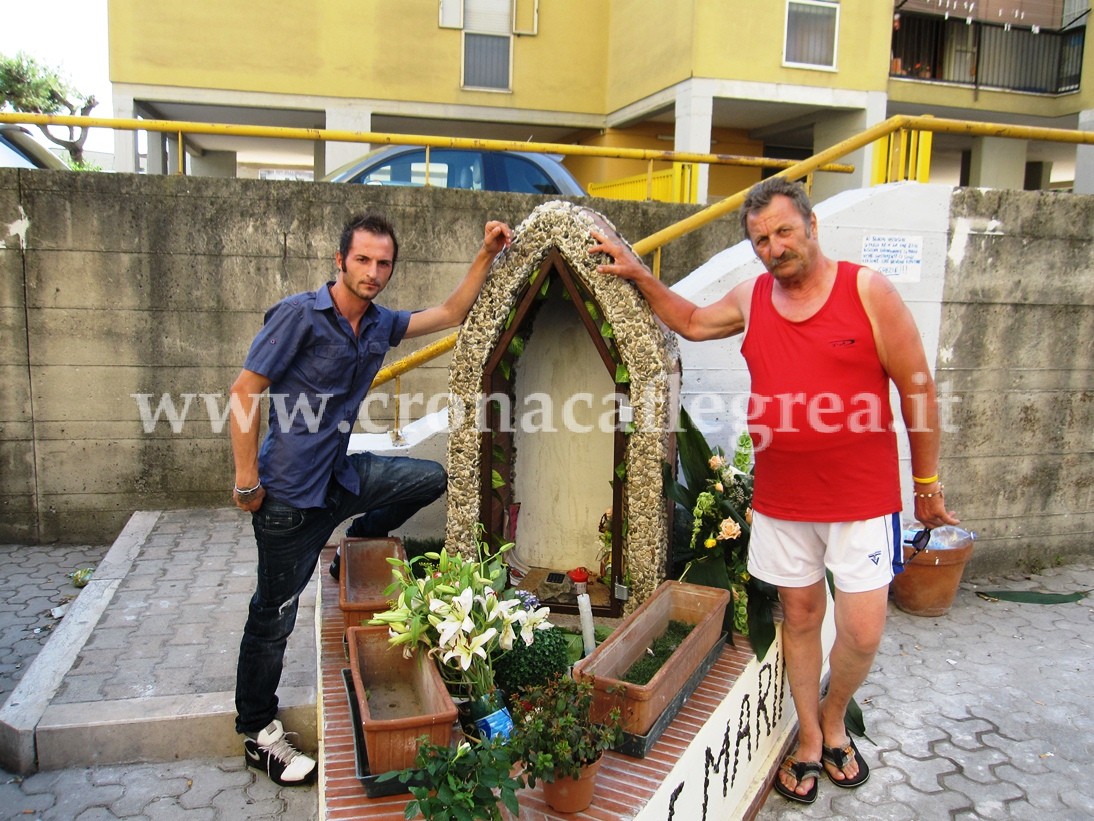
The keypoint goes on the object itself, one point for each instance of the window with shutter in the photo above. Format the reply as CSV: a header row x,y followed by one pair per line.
x,y
487,43
811,33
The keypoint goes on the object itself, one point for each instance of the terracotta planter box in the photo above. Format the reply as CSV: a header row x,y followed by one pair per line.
x,y
641,705
400,699
365,576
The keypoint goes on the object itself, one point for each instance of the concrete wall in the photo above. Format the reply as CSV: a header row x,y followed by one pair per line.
x,y
1017,351
114,285
118,284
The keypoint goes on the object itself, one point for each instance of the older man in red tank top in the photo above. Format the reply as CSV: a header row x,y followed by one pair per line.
x,y
823,340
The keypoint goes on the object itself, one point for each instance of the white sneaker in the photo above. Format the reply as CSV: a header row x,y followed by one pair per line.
x,y
272,752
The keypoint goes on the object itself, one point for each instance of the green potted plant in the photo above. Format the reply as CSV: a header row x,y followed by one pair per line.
x,y
460,613
559,742
468,781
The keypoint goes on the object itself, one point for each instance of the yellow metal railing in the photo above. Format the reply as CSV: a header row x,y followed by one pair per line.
x,y
904,154
677,184
799,170
903,159
178,129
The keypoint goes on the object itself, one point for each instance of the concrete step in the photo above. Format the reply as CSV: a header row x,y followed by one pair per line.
x,y
142,667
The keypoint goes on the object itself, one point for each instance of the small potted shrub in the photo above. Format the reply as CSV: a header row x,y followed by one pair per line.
x,y
559,743
467,781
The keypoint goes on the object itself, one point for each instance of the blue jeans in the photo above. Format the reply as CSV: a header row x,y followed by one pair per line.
x,y
289,540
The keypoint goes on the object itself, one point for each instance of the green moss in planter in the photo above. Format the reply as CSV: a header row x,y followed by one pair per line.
x,y
533,664
663,646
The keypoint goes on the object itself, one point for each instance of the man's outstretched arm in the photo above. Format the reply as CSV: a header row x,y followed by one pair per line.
x,y
717,321
453,310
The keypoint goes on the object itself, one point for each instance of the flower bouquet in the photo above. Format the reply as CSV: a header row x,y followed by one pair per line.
x,y
459,612
718,494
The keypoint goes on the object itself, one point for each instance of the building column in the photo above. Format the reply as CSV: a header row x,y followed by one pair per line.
x,y
694,115
998,162
834,128
1084,157
346,116
176,158
126,159
156,160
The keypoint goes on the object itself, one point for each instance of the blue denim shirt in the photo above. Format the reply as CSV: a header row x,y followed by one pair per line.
x,y
319,374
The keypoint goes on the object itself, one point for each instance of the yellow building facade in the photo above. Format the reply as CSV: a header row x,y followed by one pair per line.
x,y
780,78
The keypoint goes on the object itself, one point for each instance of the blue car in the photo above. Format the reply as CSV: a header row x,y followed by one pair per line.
x,y
18,149
469,169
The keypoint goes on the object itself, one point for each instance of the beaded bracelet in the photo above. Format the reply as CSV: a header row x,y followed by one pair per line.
x,y
938,492
929,481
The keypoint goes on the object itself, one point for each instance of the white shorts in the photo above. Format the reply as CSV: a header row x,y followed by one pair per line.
x,y
795,554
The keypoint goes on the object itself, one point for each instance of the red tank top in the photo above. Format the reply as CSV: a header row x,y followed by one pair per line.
x,y
819,411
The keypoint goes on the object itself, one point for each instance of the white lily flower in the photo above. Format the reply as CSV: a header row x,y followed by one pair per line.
x,y
457,616
464,651
496,608
508,635
536,620
448,632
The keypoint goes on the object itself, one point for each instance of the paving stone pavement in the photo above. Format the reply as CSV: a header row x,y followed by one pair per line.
x,y
34,582
979,714
983,713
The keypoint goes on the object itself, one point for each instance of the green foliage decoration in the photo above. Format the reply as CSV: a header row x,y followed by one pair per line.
x,y
527,665
716,494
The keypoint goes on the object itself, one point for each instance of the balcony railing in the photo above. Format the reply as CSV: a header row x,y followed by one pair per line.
x,y
987,55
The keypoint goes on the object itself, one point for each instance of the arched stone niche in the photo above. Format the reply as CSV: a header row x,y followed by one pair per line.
x,y
564,394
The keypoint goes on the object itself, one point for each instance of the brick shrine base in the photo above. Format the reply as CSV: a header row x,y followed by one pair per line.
x,y
716,759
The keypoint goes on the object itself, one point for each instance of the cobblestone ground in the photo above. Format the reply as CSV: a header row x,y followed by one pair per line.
x,y
34,581
202,790
983,713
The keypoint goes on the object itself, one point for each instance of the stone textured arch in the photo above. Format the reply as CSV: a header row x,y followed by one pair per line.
x,y
647,348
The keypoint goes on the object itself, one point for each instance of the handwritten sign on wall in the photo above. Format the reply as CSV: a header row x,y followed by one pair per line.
x,y
898,256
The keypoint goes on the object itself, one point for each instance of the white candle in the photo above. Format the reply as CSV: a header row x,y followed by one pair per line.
x,y
585,610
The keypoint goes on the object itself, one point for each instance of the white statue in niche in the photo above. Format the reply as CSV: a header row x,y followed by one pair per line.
x,y
564,441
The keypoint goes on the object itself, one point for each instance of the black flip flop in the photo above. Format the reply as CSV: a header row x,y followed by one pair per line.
x,y
838,758
800,770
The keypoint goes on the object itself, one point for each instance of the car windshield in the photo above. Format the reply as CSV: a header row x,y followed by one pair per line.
x,y
11,157
445,169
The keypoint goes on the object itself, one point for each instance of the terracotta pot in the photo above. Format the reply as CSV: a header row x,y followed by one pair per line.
x,y
928,585
572,794
641,704
400,699
364,577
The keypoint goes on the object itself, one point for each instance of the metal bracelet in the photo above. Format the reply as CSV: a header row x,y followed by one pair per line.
x,y
250,491
938,492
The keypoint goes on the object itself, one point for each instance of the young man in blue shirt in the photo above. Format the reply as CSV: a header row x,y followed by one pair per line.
x,y
316,355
